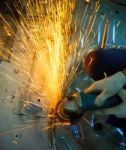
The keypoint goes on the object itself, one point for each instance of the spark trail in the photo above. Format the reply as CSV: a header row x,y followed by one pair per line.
x,y
51,50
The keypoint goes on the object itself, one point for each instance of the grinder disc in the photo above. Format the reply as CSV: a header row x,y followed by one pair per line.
x,y
60,113
67,117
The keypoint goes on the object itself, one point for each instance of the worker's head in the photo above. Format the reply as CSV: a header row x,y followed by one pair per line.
x,y
99,63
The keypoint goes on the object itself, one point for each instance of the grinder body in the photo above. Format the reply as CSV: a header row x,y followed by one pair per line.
x,y
86,102
73,108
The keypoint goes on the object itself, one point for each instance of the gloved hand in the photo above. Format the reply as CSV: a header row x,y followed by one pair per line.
x,y
108,87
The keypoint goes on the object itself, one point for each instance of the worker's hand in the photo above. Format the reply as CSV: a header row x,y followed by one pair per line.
x,y
107,87
119,110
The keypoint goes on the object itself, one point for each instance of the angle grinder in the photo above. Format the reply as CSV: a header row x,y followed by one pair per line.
x,y
73,107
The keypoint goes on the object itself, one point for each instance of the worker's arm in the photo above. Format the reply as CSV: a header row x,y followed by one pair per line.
x,y
108,87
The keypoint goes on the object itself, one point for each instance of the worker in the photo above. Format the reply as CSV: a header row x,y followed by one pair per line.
x,y
107,66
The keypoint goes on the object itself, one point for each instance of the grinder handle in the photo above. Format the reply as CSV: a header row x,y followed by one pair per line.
x,y
86,101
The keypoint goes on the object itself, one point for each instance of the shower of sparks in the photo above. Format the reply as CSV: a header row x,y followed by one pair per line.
x,y
45,34
56,124
50,50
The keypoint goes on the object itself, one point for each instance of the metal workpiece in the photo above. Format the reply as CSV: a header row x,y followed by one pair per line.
x,y
29,108
65,141
26,122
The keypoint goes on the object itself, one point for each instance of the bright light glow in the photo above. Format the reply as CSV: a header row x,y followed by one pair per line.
x,y
45,32
87,1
